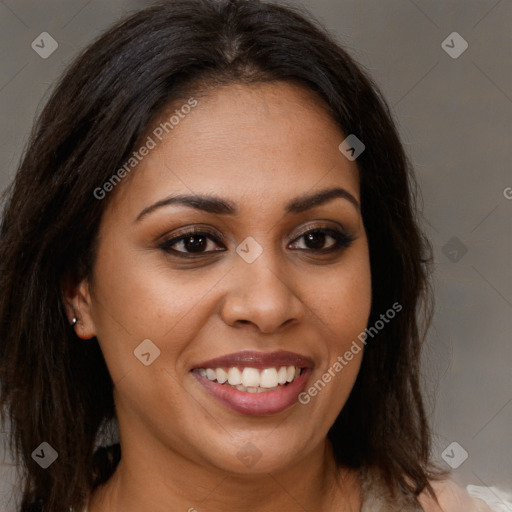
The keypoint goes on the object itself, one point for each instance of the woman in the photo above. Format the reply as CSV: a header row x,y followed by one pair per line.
x,y
212,241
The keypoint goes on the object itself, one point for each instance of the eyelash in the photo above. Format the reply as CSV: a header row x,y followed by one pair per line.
x,y
341,241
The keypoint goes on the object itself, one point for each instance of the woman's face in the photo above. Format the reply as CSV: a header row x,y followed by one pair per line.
x,y
271,279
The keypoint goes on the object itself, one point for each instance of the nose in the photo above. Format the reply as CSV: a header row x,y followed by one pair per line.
x,y
263,295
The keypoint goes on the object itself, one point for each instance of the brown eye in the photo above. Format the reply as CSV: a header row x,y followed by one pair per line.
x,y
194,243
316,240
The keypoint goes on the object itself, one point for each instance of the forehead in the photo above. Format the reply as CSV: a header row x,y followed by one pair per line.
x,y
258,143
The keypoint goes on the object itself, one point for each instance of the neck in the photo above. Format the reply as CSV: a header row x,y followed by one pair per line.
x,y
152,478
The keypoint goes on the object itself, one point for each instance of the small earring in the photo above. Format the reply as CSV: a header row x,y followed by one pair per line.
x,y
74,321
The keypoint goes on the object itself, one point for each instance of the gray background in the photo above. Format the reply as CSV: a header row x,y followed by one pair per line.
x,y
455,118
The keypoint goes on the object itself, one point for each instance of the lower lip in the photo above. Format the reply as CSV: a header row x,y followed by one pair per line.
x,y
264,403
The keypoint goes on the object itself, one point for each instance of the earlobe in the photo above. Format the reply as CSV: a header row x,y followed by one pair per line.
x,y
77,301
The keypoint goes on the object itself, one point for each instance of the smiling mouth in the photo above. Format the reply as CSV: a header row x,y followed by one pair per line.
x,y
253,380
255,400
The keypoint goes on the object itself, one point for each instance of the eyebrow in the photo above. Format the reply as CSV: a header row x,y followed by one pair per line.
x,y
220,206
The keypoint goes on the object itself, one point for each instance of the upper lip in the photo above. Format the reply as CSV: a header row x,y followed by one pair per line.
x,y
254,359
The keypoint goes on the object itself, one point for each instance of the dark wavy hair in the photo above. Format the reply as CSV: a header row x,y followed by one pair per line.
x,y
57,389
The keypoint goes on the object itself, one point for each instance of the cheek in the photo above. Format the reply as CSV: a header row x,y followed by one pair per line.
x,y
142,292
342,306
343,302
136,298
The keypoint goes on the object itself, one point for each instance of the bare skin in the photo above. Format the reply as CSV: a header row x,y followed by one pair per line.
x,y
259,147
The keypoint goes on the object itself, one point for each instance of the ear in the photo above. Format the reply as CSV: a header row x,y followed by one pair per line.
x,y
78,304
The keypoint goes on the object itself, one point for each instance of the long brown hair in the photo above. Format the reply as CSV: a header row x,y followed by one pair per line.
x,y
56,388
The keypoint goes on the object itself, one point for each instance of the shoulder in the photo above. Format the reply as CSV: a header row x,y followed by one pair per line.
x,y
451,498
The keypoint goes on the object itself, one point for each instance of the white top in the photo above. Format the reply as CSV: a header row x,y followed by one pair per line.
x,y
496,499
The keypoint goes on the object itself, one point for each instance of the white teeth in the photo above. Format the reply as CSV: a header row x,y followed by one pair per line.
x,y
253,389
234,376
252,380
268,378
222,376
250,377
250,389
